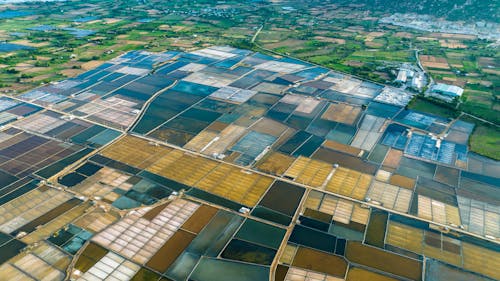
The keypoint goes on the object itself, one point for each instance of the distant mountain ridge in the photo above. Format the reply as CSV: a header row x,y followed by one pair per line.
x,y
466,10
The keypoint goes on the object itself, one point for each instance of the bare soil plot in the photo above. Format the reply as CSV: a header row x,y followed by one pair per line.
x,y
342,113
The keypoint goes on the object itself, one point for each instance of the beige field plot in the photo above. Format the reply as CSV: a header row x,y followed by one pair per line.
x,y
330,40
390,196
343,211
297,167
342,113
25,42
288,254
393,158
187,169
454,36
358,274
449,257
46,230
360,214
437,211
110,267
452,44
304,104
43,262
430,244
405,237
135,151
313,200
402,181
309,171
226,138
96,220
269,126
201,141
104,183
343,148
163,163
349,183
491,225
481,260
340,209
24,209
275,163
299,274
382,175
139,237
434,62
92,64
235,184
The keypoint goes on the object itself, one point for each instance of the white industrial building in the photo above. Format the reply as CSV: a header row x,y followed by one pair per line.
x,y
446,92
402,76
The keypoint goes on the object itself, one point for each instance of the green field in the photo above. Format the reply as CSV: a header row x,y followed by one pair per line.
x,y
486,141
424,105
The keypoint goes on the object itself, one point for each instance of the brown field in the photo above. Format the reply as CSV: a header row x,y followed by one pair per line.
x,y
291,43
71,72
393,157
452,44
342,147
480,99
354,63
39,78
372,44
319,261
170,251
135,42
359,274
453,36
444,72
427,58
92,64
330,40
402,181
491,71
31,44
112,20
199,219
486,83
423,38
450,79
372,35
341,113
438,65
403,34
383,260
276,163
485,62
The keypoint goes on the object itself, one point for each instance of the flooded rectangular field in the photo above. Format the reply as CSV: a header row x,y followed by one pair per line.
x,y
320,262
220,270
248,252
383,260
277,192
